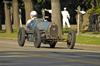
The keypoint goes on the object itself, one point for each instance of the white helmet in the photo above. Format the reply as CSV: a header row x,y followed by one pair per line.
x,y
65,8
33,13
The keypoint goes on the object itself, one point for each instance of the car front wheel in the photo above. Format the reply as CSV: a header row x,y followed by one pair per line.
x,y
21,36
71,39
37,38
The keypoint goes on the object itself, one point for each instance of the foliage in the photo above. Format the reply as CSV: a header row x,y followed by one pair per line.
x,y
41,1
94,10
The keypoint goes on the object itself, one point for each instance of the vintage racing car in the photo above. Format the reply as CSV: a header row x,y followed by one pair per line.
x,y
42,31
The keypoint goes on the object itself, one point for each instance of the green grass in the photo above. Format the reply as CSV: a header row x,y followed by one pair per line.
x,y
88,40
4,35
84,38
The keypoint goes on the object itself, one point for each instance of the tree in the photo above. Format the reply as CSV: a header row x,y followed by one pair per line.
x,y
8,16
1,8
16,13
0,23
28,8
98,3
56,15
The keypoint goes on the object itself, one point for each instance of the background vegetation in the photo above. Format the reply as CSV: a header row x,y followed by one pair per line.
x,y
15,12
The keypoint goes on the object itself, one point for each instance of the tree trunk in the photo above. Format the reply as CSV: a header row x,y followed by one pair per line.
x,y
85,24
8,18
28,8
0,23
1,16
16,14
0,26
56,15
98,3
78,20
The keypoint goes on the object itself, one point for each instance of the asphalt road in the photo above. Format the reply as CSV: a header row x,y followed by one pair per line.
x,y
13,55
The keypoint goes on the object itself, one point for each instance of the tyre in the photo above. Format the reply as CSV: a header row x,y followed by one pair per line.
x,y
71,39
37,38
52,44
21,36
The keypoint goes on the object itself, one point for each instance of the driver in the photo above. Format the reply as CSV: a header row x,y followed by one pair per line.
x,y
33,15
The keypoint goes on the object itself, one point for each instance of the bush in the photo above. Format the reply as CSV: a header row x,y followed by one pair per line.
x,y
94,10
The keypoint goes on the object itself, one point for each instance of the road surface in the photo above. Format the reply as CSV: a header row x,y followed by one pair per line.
x,y
13,55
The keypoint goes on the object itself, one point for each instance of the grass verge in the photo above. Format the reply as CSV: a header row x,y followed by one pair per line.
x,y
84,38
11,36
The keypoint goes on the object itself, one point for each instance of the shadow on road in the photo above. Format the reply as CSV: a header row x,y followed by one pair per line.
x,y
49,58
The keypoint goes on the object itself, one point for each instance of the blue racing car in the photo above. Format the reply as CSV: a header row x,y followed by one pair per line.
x,y
42,31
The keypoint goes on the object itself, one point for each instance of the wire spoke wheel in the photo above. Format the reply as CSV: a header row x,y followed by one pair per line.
x,y
21,36
71,39
37,38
